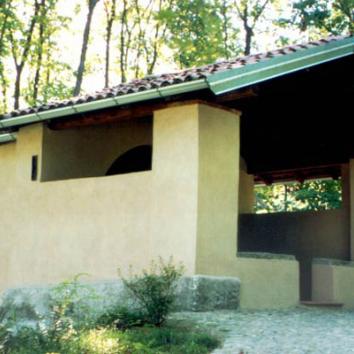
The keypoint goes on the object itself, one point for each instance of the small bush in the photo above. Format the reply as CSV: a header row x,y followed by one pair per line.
x,y
26,340
155,290
69,304
68,314
4,329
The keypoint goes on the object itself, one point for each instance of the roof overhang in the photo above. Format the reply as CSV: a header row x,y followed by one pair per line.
x,y
218,83
104,103
234,79
163,92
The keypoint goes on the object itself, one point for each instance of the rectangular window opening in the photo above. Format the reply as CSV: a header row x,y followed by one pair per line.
x,y
34,168
311,195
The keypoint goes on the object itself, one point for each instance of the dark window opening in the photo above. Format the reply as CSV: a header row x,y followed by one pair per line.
x,y
34,168
135,160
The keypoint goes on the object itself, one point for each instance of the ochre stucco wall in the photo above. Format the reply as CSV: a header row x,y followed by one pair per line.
x,y
52,230
322,283
333,282
187,206
343,285
218,180
268,283
173,223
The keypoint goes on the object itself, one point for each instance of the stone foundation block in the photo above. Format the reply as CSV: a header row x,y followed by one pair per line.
x,y
195,293
208,293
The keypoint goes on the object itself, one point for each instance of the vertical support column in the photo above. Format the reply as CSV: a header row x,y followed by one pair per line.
x,y
246,190
175,184
351,206
346,198
218,190
196,186
345,175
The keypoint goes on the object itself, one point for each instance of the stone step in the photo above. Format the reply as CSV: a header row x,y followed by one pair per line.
x,y
327,304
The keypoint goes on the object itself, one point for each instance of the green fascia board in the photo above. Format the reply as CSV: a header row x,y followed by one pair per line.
x,y
137,97
14,121
190,86
53,113
234,79
35,117
7,138
103,103
93,105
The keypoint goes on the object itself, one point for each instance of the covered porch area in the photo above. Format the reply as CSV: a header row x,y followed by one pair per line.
x,y
297,128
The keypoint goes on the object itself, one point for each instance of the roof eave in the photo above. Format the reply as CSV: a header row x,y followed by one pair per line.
x,y
218,83
161,92
237,78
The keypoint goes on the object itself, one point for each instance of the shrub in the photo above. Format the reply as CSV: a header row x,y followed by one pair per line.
x,y
155,290
13,334
70,304
67,315
4,329
25,340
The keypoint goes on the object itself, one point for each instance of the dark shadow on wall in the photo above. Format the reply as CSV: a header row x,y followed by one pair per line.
x,y
134,160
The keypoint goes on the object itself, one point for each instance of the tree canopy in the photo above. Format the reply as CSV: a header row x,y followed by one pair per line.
x,y
312,195
52,49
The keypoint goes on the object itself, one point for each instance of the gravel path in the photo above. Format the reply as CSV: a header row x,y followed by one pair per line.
x,y
298,331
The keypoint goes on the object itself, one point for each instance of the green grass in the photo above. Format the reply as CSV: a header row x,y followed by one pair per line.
x,y
173,340
170,338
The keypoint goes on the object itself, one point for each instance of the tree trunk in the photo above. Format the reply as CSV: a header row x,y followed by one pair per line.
x,y
47,79
248,39
108,41
225,23
250,18
110,19
160,35
122,42
81,68
40,54
285,198
17,92
20,64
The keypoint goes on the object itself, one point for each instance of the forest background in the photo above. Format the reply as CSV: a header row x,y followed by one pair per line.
x,y
56,49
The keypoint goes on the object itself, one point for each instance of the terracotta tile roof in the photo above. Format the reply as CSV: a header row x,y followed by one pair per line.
x,y
183,76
